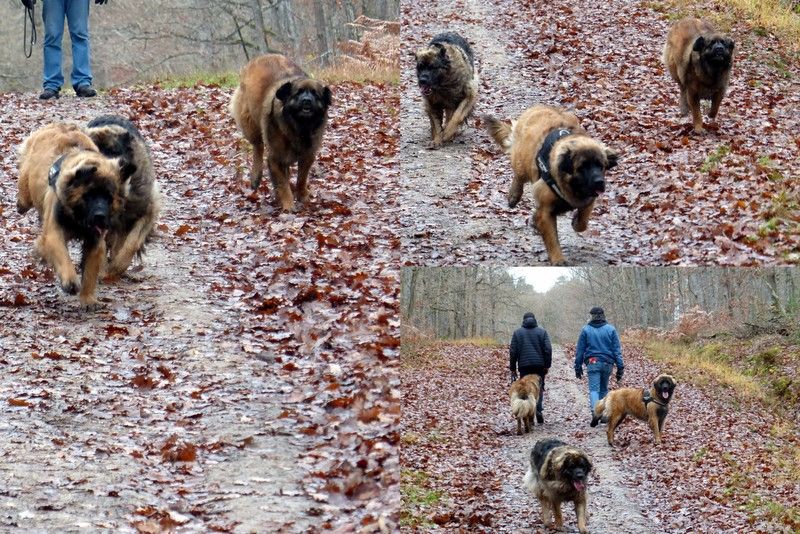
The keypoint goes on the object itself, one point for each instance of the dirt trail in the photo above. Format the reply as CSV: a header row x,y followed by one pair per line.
x,y
675,198
472,454
437,229
251,348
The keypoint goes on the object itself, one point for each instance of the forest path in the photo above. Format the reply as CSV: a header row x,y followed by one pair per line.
x,y
214,379
676,197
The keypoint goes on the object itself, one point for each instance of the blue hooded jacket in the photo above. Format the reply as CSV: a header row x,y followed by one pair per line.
x,y
600,340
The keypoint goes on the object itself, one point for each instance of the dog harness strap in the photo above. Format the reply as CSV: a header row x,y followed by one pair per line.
x,y
646,398
55,170
543,160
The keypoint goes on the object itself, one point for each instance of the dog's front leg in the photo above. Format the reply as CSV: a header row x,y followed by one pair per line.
x,y
545,222
459,116
52,248
580,512
279,174
92,264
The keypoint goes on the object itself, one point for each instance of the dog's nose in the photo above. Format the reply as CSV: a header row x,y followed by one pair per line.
x,y
599,183
100,220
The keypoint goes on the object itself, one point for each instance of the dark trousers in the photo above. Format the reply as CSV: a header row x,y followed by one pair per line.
x,y
535,370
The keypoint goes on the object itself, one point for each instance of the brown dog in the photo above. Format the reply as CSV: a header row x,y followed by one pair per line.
x,y
700,60
278,104
524,395
651,406
559,473
547,144
448,82
78,192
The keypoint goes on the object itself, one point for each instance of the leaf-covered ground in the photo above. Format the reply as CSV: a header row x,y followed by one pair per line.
x,y
727,197
722,466
244,379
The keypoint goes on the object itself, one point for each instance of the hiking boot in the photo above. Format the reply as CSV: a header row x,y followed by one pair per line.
x,y
85,91
49,94
539,418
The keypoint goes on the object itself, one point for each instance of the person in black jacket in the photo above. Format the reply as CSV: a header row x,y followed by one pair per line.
x,y
531,353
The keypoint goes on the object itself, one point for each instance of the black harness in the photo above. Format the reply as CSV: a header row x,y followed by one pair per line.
x,y
646,398
55,170
543,160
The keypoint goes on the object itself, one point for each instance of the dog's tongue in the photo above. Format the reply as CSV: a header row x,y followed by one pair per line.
x,y
580,486
665,394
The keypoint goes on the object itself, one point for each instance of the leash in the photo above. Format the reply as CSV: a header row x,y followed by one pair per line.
x,y
29,17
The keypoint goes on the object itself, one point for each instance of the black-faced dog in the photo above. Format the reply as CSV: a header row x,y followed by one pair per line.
x,y
559,473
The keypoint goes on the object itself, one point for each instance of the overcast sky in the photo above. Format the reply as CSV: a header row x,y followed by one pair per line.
x,y
541,278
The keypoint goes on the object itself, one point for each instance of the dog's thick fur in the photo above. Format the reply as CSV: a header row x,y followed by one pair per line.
x,y
88,193
558,473
117,137
628,401
700,60
277,104
577,163
449,84
524,395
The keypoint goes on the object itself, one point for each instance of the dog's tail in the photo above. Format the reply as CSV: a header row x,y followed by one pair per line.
x,y
599,411
501,132
522,405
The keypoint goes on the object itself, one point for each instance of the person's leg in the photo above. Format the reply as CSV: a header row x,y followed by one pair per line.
x,y
78,20
539,405
605,374
53,20
593,374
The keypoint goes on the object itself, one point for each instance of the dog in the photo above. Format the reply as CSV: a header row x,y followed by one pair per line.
x,y
700,60
651,406
278,104
558,473
549,148
449,84
77,192
117,137
524,395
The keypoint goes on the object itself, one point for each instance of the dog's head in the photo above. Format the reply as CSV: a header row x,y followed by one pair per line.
x,y
305,101
575,467
715,50
582,165
114,141
664,385
89,188
433,63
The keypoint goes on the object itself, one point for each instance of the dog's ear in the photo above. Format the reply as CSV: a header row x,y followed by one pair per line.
x,y
656,381
284,91
126,169
565,163
326,96
612,158
699,44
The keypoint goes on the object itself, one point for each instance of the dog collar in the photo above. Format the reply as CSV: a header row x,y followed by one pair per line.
x,y
55,170
646,398
543,160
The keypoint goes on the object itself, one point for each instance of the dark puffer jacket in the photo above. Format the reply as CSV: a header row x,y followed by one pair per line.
x,y
530,346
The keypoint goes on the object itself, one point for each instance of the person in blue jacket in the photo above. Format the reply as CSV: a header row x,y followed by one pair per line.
x,y
599,349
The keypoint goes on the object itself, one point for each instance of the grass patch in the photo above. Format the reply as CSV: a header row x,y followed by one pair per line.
x,y
765,508
223,79
416,495
705,365
487,342
714,159
699,454
358,72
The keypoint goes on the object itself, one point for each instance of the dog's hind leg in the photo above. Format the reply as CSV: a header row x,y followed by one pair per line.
x,y
258,165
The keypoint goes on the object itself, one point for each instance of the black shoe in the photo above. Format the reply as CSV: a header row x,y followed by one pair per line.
x,y
48,94
539,418
85,91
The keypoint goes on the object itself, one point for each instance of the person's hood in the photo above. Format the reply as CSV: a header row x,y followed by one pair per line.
x,y
597,323
529,322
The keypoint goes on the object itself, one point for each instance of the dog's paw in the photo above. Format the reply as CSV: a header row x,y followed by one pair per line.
x,y
594,422
90,304
71,286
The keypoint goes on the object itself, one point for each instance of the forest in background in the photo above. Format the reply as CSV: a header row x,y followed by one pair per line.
x,y
474,302
164,39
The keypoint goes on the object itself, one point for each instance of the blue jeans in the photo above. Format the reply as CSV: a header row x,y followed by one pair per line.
x,y
77,15
598,374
